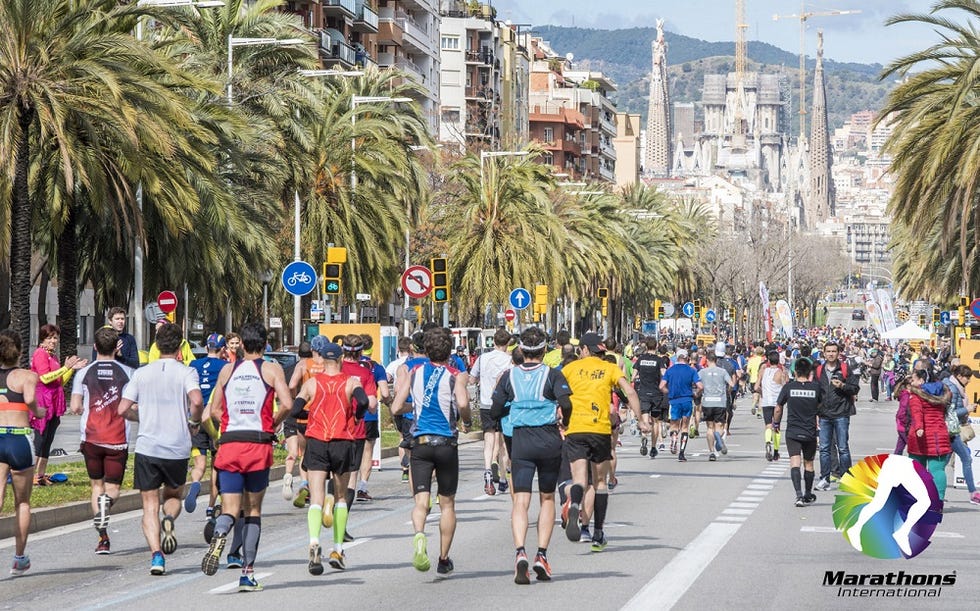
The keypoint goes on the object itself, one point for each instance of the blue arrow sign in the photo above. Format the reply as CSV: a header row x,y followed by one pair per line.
x,y
299,278
944,317
520,298
688,309
710,316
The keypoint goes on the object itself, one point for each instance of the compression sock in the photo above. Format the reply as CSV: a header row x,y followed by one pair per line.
x,y
521,550
543,551
239,537
601,505
683,442
350,497
314,521
339,525
251,533
794,474
562,491
808,478
223,525
775,440
768,435
576,492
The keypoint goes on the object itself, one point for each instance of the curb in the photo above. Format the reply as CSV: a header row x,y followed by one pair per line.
x,y
130,500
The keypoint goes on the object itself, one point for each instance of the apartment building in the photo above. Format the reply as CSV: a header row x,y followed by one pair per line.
x,y
346,30
627,145
408,40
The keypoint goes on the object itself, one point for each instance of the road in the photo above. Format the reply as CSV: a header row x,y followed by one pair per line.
x,y
842,316
695,535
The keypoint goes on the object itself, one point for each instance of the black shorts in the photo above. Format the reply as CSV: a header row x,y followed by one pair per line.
x,y
444,460
508,443
536,448
358,455
150,472
588,446
202,443
103,463
372,430
488,423
655,405
334,457
807,448
714,414
767,413
291,428
404,426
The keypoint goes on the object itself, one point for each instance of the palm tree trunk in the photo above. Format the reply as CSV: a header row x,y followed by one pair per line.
x,y
20,238
42,294
68,288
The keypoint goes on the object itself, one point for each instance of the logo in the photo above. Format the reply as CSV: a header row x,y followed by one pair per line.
x,y
888,507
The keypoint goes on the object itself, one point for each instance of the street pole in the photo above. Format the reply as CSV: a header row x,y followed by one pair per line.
x,y
297,300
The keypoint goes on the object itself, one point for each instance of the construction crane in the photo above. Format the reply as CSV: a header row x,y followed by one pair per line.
x,y
803,16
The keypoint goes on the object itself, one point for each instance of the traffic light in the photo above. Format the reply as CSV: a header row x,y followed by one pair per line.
x,y
731,313
605,304
935,316
331,278
336,254
541,299
659,309
697,308
745,316
922,320
440,280
603,293
961,311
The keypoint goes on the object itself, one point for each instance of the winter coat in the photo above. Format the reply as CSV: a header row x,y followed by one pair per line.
x,y
931,418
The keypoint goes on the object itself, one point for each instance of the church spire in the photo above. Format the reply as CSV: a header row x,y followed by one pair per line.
x,y
658,156
821,204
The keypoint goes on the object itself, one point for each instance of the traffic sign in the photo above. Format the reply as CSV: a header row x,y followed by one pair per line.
x,y
152,313
668,309
710,316
275,322
509,315
944,317
974,308
688,309
167,300
362,297
520,298
410,315
299,278
417,281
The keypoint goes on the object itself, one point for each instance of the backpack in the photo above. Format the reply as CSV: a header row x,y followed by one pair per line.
x,y
843,369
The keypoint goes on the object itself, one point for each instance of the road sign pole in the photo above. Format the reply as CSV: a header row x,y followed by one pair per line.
x,y
445,314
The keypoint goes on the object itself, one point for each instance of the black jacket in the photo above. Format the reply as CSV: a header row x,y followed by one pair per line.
x,y
837,402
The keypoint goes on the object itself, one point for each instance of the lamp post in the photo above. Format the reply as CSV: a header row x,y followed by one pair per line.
x,y
484,155
354,102
266,278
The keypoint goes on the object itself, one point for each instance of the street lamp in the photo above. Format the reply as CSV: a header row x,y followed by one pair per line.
x,y
315,73
354,101
254,42
484,155
266,278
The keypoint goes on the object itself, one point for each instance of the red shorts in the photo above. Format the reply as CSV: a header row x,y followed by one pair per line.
x,y
243,456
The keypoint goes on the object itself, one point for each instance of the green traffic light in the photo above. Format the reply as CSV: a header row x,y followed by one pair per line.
x,y
440,294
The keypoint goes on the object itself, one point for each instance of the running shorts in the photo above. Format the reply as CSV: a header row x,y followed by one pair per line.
x,y
291,428
535,448
372,431
714,414
243,456
104,463
488,423
593,447
201,443
807,448
508,443
767,413
358,455
443,460
16,451
681,408
334,457
404,427
150,472
655,405
231,482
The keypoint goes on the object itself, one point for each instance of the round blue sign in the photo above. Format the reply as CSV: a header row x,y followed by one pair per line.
x,y
974,308
520,298
688,309
710,316
299,278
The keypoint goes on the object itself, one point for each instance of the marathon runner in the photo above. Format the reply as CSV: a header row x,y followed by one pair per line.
x,y
800,399
371,421
294,429
714,404
208,368
486,371
648,370
402,423
680,382
772,377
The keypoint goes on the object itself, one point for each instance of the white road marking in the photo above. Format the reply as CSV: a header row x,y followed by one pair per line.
x,y
655,476
71,528
759,487
482,497
748,499
738,512
228,587
743,505
731,519
940,534
669,585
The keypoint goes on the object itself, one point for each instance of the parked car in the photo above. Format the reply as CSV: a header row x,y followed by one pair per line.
x,y
286,359
857,314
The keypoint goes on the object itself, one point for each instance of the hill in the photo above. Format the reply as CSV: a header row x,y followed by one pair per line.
x,y
624,55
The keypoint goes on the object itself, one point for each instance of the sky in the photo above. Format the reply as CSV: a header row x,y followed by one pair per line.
x,y
851,38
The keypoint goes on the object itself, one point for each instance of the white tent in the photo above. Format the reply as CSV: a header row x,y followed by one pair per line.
x,y
909,330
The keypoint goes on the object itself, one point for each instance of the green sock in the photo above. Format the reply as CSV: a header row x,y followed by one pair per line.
x,y
775,440
768,435
339,524
314,522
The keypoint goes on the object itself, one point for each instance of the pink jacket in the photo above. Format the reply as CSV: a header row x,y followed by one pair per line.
x,y
50,395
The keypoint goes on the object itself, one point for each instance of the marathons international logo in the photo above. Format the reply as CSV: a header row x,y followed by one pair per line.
x,y
888,507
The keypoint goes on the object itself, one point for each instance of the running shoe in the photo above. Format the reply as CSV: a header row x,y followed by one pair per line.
x,y
775,455
420,557
586,536
724,446
654,452
662,446
190,501
327,519
364,497
823,484
337,560
564,512
234,561
644,443
212,558
168,538
247,583
718,443
809,498
502,486
302,496
599,541
101,520
494,472
404,476
21,565
158,565
209,530
521,576
572,528
673,444
445,566
488,486
316,564
975,498
287,487
712,457
753,410
799,501
613,482
769,451
102,548
542,568
681,457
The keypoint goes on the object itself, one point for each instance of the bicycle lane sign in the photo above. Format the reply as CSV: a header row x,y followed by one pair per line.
x,y
299,278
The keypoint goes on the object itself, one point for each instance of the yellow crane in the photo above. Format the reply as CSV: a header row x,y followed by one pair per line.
x,y
803,16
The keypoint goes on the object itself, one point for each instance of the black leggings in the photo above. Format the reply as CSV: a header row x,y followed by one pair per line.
x,y
43,441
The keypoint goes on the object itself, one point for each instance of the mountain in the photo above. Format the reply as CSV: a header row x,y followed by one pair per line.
x,y
625,56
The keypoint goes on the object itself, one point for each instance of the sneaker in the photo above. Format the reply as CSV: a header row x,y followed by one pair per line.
x,y
488,486
302,496
316,564
724,446
420,557
337,560
769,451
662,446
975,498
247,583
364,497
190,501
753,410
654,452
404,476
613,482
158,565
494,472
287,487
542,568
102,548
520,570
502,486
168,538
209,530
644,443
681,457
101,520
775,455
809,498
834,478
673,444
22,564
327,518
799,500
564,512
599,541
586,536
712,457
212,558
572,528
445,566
823,484
234,561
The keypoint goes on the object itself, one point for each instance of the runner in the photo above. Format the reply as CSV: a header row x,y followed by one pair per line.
x,y
294,428
714,404
371,422
588,439
486,371
95,395
771,378
647,373
800,399
441,405
403,423
404,377
242,402
17,405
329,398
553,357
754,362
169,412
530,395
680,382
208,368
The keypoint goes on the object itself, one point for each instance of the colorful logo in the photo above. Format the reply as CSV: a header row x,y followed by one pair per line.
x,y
888,507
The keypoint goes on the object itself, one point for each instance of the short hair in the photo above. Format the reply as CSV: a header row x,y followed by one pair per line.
x,y
232,335
353,345
712,357
105,341
254,337
806,350
651,343
803,367
47,331
404,344
168,338
438,344
611,344
367,341
10,347
116,310
831,344
501,337
963,370
304,350
563,337
533,336
339,339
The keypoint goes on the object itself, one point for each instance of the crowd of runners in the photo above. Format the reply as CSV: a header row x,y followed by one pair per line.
x,y
551,411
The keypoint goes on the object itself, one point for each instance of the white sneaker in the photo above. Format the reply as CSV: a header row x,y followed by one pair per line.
x,y
287,487
823,484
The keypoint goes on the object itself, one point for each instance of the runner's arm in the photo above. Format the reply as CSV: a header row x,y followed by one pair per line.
x,y
403,387
632,397
281,388
30,397
193,389
463,404
297,379
306,392
503,394
361,400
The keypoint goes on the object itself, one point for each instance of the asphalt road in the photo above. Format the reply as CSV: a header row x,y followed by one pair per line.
x,y
695,535
843,316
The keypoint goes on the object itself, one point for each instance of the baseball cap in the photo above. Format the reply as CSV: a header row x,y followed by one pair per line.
x,y
216,340
593,341
325,348
720,349
681,354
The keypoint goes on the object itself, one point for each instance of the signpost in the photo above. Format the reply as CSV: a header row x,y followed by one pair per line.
x,y
275,322
974,308
944,318
710,316
167,300
668,310
520,298
688,309
417,281
510,315
298,278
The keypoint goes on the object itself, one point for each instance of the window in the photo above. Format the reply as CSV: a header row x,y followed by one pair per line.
x,y
450,115
450,43
549,134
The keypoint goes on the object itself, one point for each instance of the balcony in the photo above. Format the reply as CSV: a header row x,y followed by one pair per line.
x,y
481,58
343,8
366,20
481,93
408,66
417,36
325,44
568,146
336,50
390,31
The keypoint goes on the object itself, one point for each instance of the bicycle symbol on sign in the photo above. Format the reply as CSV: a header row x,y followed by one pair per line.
x,y
298,277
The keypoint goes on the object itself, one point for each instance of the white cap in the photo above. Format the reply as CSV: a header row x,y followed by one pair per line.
x,y
720,349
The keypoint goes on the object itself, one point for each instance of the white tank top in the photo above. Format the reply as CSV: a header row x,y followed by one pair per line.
x,y
248,400
770,389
